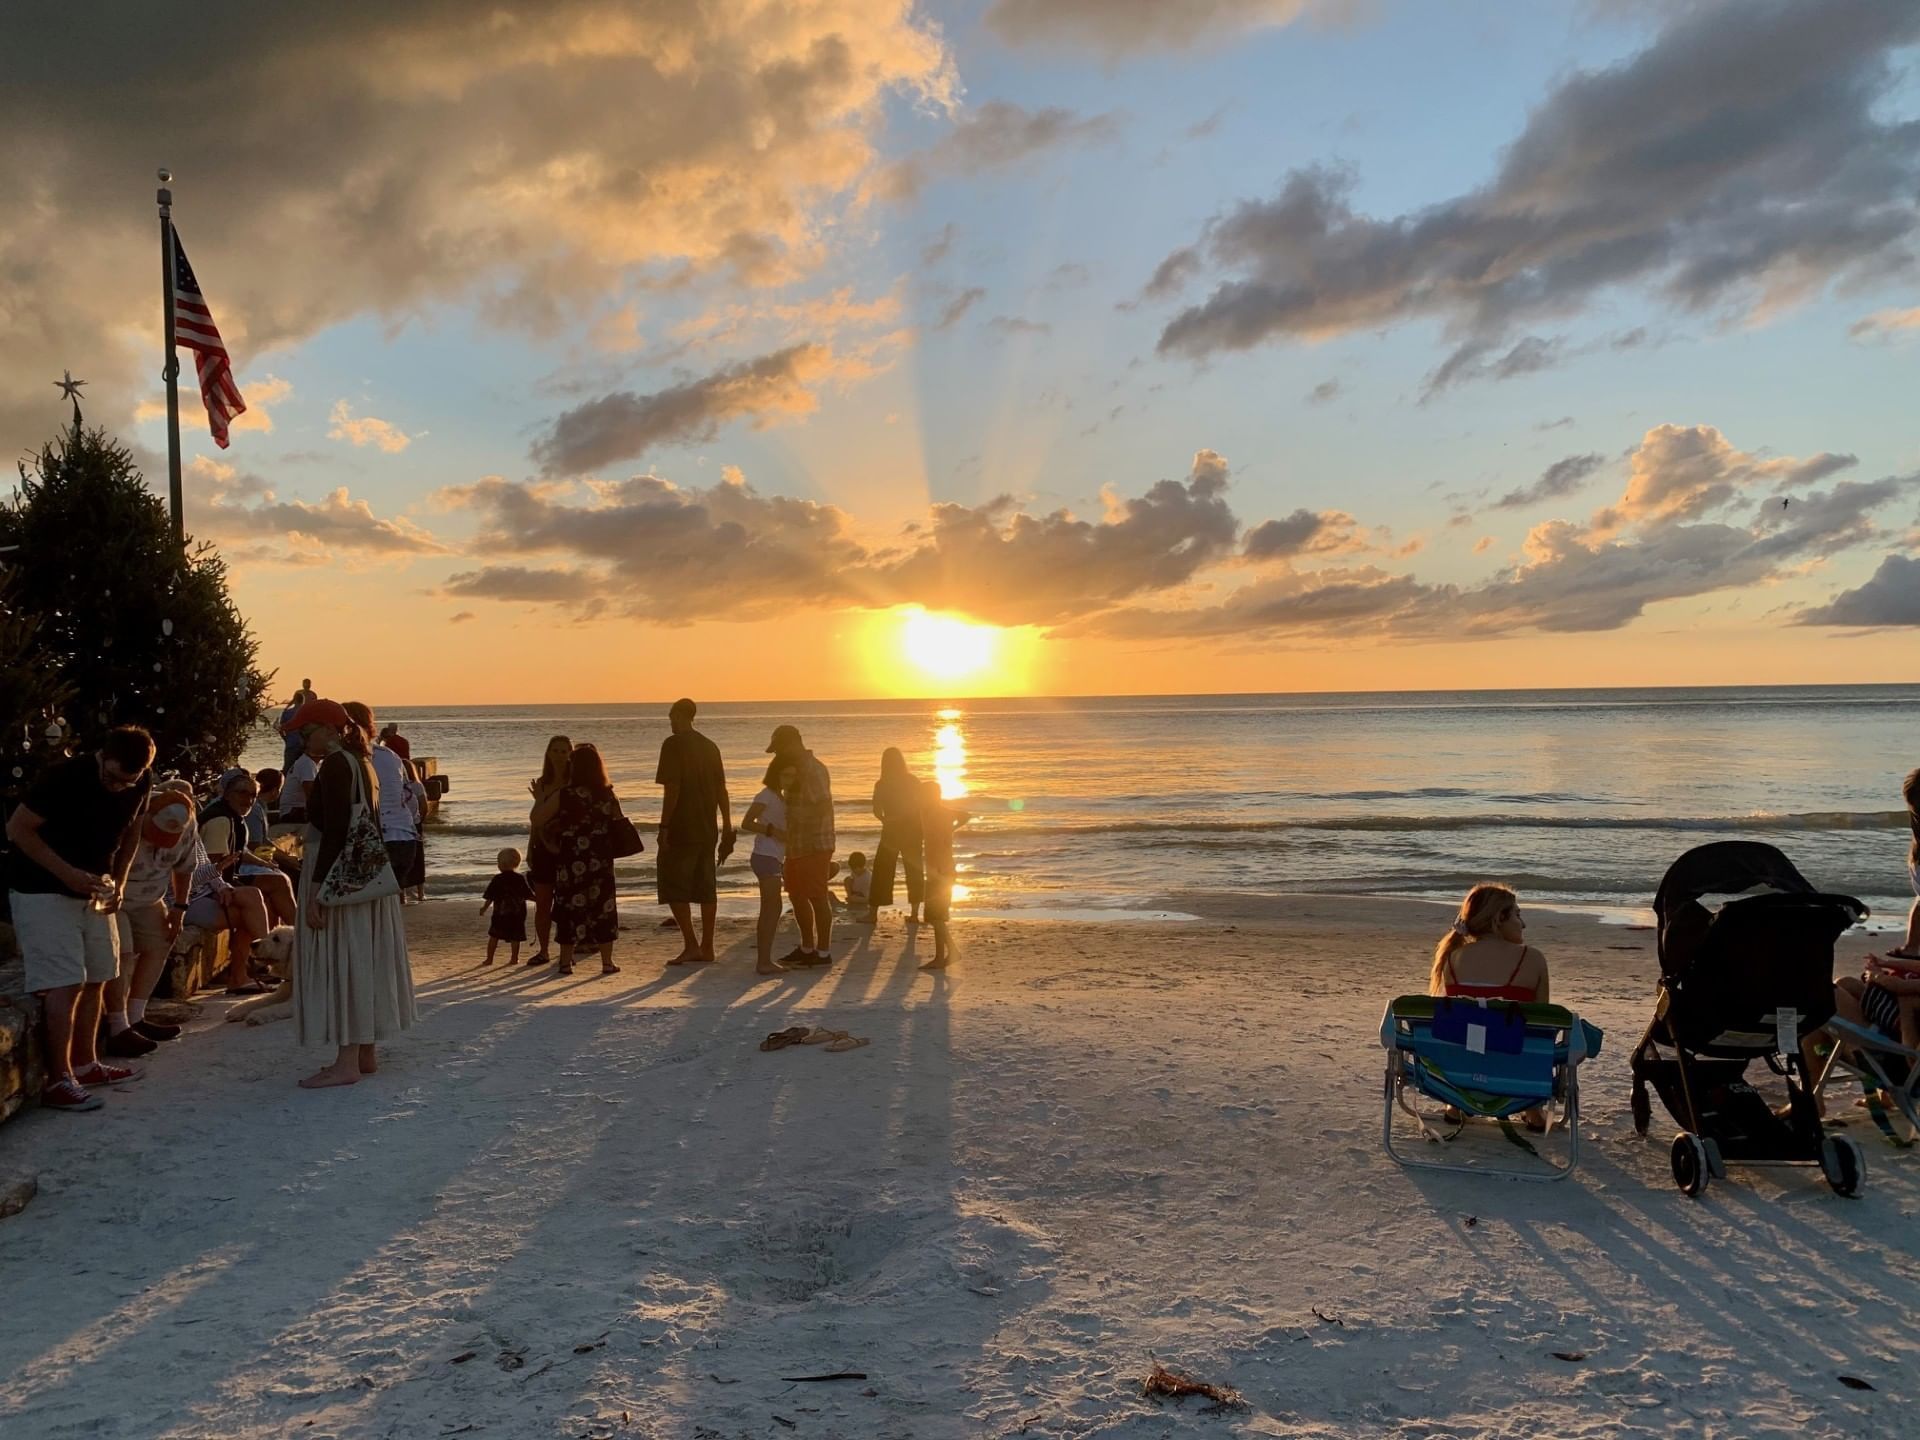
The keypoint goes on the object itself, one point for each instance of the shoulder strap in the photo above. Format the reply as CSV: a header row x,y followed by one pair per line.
x,y
1518,965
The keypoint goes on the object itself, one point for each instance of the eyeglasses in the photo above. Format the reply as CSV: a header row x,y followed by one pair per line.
x,y
114,778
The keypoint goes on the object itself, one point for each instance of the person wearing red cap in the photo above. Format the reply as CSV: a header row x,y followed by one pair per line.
x,y
318,723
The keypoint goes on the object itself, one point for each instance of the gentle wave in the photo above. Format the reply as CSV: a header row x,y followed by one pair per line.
x,y
1813,820
1810,820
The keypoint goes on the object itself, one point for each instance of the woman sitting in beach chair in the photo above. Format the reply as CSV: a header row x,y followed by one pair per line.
x,y
1485,956
1485,1042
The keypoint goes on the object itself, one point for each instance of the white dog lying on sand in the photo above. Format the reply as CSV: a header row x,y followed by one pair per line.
x,y
276,953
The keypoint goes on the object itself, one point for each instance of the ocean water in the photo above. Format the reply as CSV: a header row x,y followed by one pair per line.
x,y
1137,805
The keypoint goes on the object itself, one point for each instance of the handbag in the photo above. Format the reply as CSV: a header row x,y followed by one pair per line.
x,y
361,871
623,838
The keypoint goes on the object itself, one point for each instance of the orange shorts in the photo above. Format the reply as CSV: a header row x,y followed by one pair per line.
x,y
808,876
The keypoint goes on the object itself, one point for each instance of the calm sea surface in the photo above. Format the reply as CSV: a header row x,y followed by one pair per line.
x,y
1159,803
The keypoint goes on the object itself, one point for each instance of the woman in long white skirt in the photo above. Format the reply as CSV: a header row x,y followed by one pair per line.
x,y
353,984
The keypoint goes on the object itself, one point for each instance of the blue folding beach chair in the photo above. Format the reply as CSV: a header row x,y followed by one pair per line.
x,y
1486,1060
1885,1068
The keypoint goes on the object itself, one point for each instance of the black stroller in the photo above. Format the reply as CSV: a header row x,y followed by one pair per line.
x,y
1741,983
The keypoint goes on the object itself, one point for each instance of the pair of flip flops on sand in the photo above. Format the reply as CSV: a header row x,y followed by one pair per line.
x,y
835,1040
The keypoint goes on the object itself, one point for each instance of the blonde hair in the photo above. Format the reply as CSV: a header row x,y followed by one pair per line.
x,y
508,859
1478,912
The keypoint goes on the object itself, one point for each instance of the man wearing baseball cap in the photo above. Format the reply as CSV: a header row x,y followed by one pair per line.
x,y
810,840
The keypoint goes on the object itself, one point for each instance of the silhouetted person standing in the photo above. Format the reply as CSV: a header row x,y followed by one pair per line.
x,y
696,830
810,841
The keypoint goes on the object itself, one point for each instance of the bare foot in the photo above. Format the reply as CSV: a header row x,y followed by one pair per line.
x,y
936,965
685,957
609,969
329,1077
487,961
703,958
769,969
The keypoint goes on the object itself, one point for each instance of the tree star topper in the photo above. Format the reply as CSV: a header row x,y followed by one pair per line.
x,y
69,387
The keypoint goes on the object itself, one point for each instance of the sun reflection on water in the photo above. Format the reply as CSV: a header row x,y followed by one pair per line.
x,y
950,755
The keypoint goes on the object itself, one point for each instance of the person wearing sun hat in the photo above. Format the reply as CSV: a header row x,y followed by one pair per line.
x,y
312,724
149,919
810,840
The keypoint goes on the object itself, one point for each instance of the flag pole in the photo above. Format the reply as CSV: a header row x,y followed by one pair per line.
x,y
170,372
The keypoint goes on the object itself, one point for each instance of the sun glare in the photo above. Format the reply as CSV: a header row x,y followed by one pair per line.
x,y
946,648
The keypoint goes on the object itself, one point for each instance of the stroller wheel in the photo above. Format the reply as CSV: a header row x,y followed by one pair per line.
x,y
1691,1170
1716,1167
1843,1164
1642,1110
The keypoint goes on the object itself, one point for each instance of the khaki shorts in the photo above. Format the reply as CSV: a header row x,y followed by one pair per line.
x,y
143,929
64,941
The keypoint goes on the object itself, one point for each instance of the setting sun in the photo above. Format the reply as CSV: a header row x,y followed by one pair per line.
x,y
944,647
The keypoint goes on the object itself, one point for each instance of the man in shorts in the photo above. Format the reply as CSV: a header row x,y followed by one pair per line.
x,y
696,830
810,841
73,839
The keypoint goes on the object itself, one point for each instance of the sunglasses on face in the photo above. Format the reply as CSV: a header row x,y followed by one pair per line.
x,y
114,778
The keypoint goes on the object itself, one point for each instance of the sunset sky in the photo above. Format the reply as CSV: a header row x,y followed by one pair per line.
x,y
607,351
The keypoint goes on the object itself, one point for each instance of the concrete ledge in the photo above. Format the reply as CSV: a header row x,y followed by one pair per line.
x,y
22,1062
199,960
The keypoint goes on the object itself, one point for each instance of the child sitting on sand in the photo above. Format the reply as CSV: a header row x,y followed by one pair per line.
x,y
508,894
859,881
938,821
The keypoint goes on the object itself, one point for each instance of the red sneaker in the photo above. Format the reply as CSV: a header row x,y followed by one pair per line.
x,y
100,1073
65,1094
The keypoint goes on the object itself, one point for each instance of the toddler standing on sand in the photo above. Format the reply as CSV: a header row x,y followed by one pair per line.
x,y
508,894
938,821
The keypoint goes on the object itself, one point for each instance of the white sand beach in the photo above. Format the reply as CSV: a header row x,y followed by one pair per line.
x,y
593,1207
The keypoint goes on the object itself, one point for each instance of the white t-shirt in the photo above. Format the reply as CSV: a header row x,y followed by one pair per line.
x,y
300,774
396,818
859,886
773,811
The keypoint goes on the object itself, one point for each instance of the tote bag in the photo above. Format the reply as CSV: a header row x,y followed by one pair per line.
x,y
361,871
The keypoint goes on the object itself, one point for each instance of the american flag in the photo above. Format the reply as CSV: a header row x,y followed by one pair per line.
x,y
194,329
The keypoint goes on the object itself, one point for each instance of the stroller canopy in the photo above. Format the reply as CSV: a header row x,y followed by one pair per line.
x,y
1728,867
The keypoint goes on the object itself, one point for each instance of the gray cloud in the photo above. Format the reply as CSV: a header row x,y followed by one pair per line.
x,y
1018,325
1556,482
1890,597
1740,160
653,550
1304,532
1325,391
1495,360
1123,27
957,307
224,503
940,245
452,160
623,425
1651,546
995,136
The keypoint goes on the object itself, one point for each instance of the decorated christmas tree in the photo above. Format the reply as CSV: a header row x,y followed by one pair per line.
x,y
135,630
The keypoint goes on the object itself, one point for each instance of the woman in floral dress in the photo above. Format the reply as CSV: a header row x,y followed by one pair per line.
x,y
579,822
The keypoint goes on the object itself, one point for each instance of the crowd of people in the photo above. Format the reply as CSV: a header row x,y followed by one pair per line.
x,y
577,830
108,864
